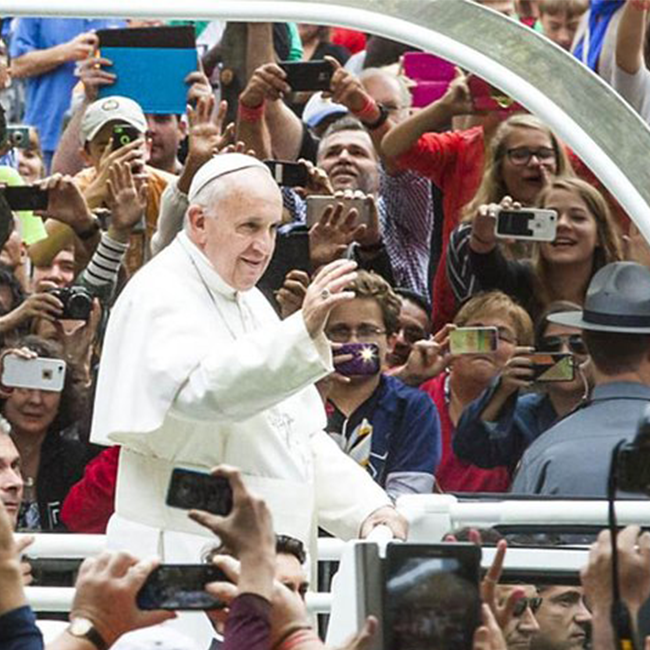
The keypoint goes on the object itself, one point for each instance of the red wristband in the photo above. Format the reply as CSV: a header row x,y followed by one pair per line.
x,y
368,109
248,114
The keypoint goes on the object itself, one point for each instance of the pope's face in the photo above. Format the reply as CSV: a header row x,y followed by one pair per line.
x,y
238,234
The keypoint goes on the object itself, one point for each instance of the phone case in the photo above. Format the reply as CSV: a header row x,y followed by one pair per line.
x,y
487,98
308,75
532,224
552,366
365,361
473,340
316,206
288,174
35,374
189,489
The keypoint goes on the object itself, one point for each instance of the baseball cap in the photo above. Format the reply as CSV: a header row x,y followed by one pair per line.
x,y
319,108
111,109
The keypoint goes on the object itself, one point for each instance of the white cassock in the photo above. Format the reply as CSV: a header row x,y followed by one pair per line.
x,y
194,374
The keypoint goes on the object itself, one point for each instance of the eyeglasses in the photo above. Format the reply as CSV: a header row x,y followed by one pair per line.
x,y
521,155
555,343
524,603
363,333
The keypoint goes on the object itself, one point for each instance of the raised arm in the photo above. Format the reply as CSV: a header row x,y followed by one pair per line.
x,y
630,37
456,101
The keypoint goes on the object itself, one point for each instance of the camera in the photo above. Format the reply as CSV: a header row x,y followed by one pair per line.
x,y
77,302
17,136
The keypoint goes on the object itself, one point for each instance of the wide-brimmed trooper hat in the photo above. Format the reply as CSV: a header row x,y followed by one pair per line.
x,y
618,300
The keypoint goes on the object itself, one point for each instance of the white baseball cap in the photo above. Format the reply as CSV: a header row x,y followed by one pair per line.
x,y
111,109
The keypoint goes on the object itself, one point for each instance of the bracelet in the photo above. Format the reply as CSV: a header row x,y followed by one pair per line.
x,y
90,232
640,5
293,636
367,109
248,114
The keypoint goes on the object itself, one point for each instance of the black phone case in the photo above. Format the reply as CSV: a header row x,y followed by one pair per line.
x,y
308,75
199,491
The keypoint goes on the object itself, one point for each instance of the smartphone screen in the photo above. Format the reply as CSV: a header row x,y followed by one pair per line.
x,y
181,586
538,225
473,340
200,491
365,359
431,596
26,197
288,174
308,75
552,366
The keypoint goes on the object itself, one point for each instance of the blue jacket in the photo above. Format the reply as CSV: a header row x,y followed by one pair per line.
x,y
395,434
18,630
492,444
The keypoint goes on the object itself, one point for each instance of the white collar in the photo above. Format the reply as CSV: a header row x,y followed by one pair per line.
x,y
206,270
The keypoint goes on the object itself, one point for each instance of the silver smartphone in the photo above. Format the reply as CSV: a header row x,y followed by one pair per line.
x,y
533,224
317,204
37,374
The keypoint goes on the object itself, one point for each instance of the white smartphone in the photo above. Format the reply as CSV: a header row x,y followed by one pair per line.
x,y
529,223
38,374
317,204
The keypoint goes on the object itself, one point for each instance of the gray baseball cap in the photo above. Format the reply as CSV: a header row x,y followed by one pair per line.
x,y
618,300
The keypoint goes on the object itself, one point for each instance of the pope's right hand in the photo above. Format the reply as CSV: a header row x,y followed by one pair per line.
x,y
326,291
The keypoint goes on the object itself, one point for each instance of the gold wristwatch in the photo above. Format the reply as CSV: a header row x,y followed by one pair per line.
x,y
83,628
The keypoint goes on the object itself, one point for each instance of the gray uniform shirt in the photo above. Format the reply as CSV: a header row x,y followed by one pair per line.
x,y
572,458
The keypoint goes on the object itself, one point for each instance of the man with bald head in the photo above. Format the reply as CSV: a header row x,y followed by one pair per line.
x,y
197,370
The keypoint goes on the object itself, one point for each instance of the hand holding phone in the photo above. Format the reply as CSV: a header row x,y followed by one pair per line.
x,y
181,587
552,366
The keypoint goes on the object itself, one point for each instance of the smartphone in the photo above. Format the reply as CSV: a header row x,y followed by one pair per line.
x,y
37,374
181,586
124,134
189,489
17,136
473,340
552,366
431,596
308,75
488,98
364,362
317,204
288,174
424,66
26,197
533,224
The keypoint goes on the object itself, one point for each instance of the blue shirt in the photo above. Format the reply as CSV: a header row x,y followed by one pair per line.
x,y
48,95
18,630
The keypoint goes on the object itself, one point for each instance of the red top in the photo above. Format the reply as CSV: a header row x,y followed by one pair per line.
x,y
355,41
453,474
91,502
454,162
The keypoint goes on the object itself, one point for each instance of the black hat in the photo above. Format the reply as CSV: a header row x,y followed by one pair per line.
x,y
618,300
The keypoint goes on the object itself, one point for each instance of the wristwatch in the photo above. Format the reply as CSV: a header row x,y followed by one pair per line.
x,y
381,120
93,229
83,628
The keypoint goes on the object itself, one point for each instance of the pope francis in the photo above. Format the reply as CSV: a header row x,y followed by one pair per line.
x,y
198,370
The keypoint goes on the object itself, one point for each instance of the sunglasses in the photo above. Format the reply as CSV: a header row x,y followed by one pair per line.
x,y
524,603
573,341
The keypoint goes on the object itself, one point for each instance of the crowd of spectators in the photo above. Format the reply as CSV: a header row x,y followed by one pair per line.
x,y
414,195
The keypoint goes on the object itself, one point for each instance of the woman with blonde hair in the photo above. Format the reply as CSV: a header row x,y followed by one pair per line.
x,y
586,240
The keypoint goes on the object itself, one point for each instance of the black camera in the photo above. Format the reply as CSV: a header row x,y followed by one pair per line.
x,y
77,302
633,460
